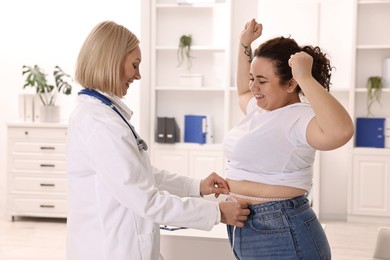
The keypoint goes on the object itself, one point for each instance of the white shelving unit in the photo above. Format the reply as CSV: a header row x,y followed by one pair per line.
x,y
368,196
209,24
372,47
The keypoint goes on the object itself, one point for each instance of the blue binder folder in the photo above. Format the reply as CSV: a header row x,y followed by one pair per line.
x,y
195,129
370,132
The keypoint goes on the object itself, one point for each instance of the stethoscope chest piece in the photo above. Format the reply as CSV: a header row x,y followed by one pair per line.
x,y
142,145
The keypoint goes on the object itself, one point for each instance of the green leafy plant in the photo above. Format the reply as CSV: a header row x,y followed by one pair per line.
x,y
36,78
374,92
184,51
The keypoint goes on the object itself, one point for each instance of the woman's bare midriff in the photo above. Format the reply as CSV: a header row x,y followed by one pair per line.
x,y
261,190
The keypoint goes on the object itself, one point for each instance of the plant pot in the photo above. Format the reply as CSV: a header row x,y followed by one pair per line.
x,y
50,114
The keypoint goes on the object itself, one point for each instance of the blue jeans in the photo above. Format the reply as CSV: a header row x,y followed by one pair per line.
x,y
287,229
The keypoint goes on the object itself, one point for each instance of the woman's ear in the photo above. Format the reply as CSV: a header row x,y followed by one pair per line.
x,y
292,85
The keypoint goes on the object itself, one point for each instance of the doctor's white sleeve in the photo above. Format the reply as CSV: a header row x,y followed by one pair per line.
x,y
129,177
177,184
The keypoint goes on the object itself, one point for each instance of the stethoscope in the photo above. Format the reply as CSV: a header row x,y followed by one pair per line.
x,y
140,142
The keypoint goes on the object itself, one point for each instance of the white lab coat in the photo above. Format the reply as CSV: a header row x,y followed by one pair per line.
x,y
116,199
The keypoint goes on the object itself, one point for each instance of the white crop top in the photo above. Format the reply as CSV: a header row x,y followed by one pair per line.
x,y
270,147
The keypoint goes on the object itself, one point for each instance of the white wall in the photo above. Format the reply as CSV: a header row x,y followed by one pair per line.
x,y
49,33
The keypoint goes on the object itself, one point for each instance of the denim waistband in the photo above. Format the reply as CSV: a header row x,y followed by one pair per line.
x,y
275,205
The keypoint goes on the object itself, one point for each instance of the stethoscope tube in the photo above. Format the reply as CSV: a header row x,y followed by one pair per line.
x,y
140,142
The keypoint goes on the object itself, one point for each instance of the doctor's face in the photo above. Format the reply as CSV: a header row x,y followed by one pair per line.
x,y
131,69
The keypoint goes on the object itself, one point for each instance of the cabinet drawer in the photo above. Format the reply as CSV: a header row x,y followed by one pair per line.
x,y
41,185
42,206
20,164
38,148
36,133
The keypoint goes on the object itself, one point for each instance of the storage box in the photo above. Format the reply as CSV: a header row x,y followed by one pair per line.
x,y
386,73
370,132
387,132
190,80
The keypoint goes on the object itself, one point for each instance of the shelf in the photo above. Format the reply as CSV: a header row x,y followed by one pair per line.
x,y
371,151
364,90
368,2
202,89
184,5
193,48
339,90
373,46
191,146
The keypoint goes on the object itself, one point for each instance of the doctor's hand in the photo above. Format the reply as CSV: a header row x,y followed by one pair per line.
x,y
214,184
233,213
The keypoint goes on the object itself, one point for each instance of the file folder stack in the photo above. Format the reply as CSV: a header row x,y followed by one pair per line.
x,y
29,107
387,132
370,132
195,129
167,130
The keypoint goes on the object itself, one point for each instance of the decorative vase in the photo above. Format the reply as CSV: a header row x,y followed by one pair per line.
x,y
50,114
190,80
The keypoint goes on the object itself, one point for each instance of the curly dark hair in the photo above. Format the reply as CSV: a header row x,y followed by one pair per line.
x,y
280,49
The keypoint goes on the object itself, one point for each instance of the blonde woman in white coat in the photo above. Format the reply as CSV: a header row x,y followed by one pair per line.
x,y
116,198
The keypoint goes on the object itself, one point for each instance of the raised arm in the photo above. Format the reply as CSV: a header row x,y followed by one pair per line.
x,y
332,126
251,32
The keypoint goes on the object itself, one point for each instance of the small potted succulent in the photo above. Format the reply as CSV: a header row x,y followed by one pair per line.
x,y
184,56
184,51
374,92
47,93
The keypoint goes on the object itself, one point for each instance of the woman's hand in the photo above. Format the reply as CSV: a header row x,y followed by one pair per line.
x,y
214,184
251,32
301,64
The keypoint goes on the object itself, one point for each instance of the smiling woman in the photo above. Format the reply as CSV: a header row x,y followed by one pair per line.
x,y
271,151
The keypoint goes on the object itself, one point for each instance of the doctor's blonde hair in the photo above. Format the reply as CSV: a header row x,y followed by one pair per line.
x,y
100,61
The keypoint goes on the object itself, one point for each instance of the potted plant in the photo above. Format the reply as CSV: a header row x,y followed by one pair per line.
x,y
184,56
184,51
47,93
374,91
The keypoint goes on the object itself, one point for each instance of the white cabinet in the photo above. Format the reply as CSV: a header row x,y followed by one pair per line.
x,y
192,244
370,185
193,161
175,161
36,170
202,163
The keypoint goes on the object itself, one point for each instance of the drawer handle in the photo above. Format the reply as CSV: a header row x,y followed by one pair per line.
x,y
48,165
47,148
47,185
47,206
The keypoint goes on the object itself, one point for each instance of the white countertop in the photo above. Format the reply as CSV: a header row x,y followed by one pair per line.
x,y
218,232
